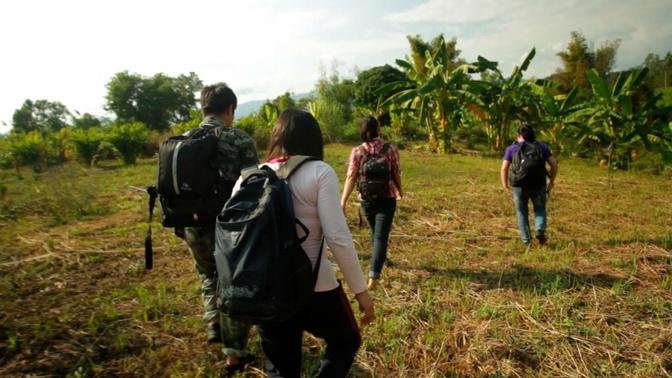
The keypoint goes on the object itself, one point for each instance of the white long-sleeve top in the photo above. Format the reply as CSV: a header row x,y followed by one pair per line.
x,y
316,197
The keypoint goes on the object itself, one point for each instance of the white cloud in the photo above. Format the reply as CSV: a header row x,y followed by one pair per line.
x,y
68,50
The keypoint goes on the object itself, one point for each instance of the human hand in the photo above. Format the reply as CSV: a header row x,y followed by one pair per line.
x,y
344,207
366,307
549,186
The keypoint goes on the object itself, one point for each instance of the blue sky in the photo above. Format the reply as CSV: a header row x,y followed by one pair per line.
x,y
67,50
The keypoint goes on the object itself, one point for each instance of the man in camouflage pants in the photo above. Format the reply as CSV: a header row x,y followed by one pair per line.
x,y
236,151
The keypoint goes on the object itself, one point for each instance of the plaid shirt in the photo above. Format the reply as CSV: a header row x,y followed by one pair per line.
x,y
373,147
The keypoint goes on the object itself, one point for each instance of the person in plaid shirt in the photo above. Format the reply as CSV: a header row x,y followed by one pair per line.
x,y
379,211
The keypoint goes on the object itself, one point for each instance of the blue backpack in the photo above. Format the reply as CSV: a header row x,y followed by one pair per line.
x,y
263,273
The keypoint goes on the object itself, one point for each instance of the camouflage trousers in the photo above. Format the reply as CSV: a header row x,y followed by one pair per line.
x,y
201,243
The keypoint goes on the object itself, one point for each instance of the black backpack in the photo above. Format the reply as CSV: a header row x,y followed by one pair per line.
x,y
190,186
528,166
263,273
374,175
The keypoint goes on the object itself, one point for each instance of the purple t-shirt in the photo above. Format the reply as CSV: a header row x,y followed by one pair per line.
x,y
513,149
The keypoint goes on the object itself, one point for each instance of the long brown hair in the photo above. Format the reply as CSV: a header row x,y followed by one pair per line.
x,y
368,129
296,133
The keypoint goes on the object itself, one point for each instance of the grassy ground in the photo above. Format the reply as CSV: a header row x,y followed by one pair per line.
x,y
462,297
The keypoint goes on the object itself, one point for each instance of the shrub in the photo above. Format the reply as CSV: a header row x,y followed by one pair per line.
x,y
129,139
86,143
28,149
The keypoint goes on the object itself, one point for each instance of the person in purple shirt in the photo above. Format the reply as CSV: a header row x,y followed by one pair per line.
x,y
534,190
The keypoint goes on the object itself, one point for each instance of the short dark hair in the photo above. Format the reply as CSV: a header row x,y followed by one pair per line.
x,y
217,98
368,129
296,133
527,132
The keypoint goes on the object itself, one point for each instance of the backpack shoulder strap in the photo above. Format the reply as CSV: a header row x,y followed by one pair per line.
x,y
289,167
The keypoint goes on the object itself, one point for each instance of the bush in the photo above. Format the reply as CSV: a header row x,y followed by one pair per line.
x,y
28,149
249,124
129,139
86,143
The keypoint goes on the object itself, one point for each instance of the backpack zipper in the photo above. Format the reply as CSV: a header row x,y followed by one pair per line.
x,y
177,150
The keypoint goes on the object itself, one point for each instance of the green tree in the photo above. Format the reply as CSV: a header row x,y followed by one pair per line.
x,y
436,87
578,58
156,101
617,123
283,102
505,100
370,81
556,114
85,121
41,115
333,105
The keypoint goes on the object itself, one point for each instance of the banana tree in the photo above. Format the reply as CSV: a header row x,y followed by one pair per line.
x,y
436,89
504,100
616,122
556,114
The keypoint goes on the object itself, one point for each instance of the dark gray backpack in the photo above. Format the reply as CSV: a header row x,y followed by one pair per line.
x,y
528,166
263,273
374,175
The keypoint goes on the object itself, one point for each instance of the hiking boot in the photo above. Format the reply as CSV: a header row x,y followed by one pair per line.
x,y
541,238
214,332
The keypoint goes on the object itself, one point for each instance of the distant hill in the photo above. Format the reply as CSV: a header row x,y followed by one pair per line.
x,y
253,106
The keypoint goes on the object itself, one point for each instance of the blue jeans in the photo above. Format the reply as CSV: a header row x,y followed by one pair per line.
x,y
521,196
379,215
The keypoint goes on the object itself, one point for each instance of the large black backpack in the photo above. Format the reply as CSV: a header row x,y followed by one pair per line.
x,y
263,273
528,166
190,186
374,175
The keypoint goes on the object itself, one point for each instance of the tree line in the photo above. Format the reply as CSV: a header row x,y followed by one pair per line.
x,y
433,95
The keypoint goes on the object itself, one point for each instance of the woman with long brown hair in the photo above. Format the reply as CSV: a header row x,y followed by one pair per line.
x,y
315,194
375,168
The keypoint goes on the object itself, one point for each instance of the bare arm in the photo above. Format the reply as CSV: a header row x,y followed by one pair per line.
x,y
504,174
347,190
554,172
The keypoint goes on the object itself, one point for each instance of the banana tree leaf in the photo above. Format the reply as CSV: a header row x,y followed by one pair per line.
x,y
394,87
625,101
598,85
550,104
618,86
404,64
568,100
431,85
528,59
635,78
484,64
400,97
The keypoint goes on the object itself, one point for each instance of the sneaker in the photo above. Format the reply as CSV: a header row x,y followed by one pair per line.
x,y
541,238
214,332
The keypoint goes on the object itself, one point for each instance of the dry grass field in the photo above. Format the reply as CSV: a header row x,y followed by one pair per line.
x,y
462,297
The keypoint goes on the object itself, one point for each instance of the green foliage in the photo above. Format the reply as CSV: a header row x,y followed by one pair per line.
x,y
333,106
128,139
505,100
369,81
28,149
437,88
617,124
578,59
195,118
155,101
85,121
40,115
86,142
